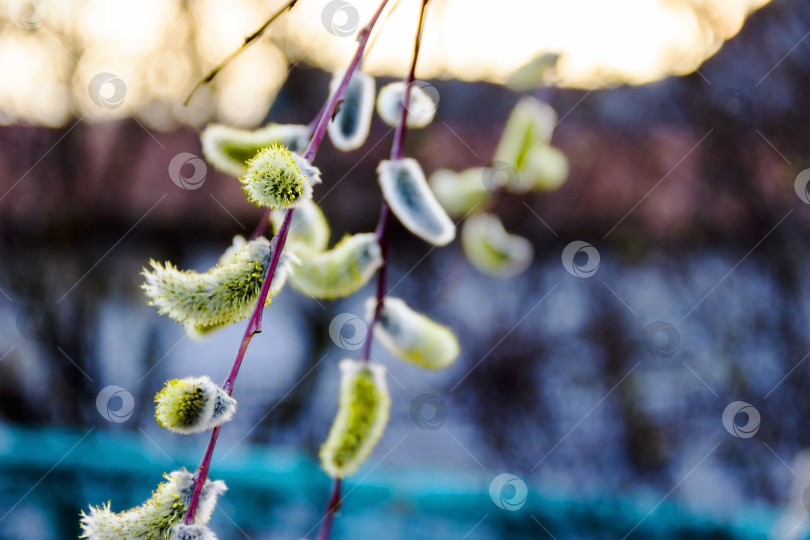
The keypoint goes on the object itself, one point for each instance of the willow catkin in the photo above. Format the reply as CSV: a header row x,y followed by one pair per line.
x,y
308,228
391,98
350,125
192,405
154,519
229,149
361,418
529,126
181,531
224,294
407,193
492,250
413,337
338,272
460,193
277,178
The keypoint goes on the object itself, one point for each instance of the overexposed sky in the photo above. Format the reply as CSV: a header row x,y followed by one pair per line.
x,y
107,59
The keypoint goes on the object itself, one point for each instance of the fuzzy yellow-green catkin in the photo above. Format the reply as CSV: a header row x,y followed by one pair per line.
x,y
154,519
338,272
349,127
192,405
229,149
530,125
407,193
413,337
224,294
421,110
308,228
277,178
492,250
361,418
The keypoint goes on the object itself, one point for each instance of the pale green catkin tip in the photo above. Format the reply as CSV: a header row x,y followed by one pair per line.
x,y
192,405
362,414
273,178
413,337
223,295
529,126
309,227
156,517
340,271
492,250
229,149
407,193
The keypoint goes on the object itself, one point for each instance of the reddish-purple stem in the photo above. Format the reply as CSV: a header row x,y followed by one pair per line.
x,y
397,152
280,239
331,509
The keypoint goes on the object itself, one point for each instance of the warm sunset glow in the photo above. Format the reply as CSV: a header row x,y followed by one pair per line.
x,y
50,51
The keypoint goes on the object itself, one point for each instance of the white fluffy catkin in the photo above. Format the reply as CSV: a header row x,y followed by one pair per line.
x,y
154,519
407,193
413,337
350,125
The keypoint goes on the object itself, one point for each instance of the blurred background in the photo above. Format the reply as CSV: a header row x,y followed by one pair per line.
x,y
665,395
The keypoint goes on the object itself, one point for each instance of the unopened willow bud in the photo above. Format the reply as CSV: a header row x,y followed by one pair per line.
x,y
181,531
192,405
224,294
407,193
413,337
154,519
229,149
530,125
361,418
492,250
278,178
308,227
340,271
459,193
349,127
421,109
546,168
